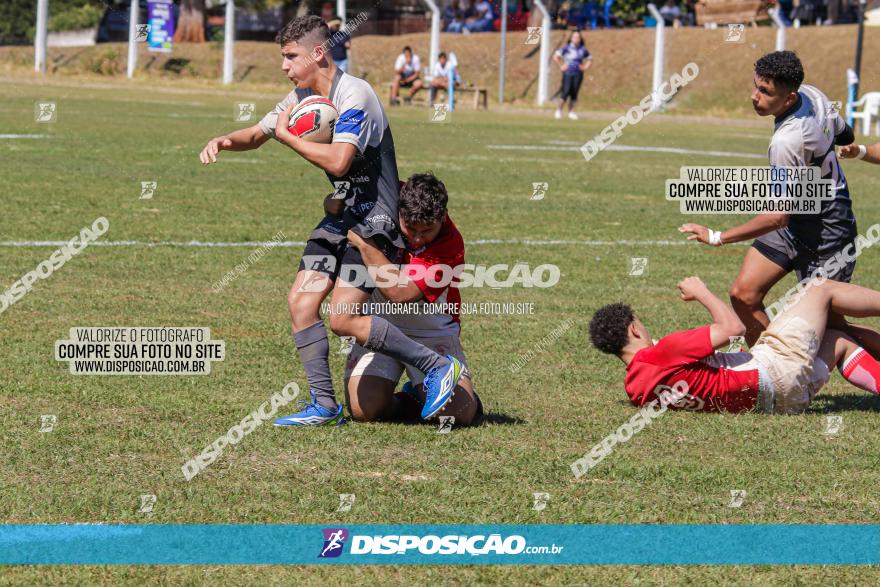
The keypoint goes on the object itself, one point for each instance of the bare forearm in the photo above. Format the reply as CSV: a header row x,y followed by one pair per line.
x,y
373,256
324,156
872,153
755,227
245,139
720,312
388,279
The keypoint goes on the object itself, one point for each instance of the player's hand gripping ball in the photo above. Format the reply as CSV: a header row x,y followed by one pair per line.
x,y
313,120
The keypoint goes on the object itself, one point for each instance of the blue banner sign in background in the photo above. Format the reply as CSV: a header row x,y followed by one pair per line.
x,y
439,544
160,17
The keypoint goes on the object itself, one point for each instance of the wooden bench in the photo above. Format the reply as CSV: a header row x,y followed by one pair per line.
x,y
481,95
731,11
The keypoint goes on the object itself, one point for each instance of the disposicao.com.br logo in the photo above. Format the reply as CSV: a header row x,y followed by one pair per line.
x,y
496,544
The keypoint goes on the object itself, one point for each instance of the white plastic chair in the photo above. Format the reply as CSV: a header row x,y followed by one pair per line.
x,y
870,109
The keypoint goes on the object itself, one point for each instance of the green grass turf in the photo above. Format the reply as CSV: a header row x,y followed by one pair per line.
x,y
120,437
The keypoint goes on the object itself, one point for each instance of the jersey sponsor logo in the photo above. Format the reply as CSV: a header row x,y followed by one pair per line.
x,y
362,208
380,218
351,121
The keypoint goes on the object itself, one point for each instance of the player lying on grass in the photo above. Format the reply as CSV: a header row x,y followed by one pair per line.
x,y
780,374
869,154
431,316
806,129
361,157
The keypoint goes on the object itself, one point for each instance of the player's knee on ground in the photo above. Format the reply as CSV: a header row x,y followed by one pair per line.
x,y
462,406
368,397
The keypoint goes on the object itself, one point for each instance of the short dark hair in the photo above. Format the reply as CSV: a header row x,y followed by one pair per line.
x,y
784,68
442,54
423,199
407,48
608,328
298,28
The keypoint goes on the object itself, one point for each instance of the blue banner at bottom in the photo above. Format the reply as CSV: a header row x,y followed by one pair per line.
x,y
239,544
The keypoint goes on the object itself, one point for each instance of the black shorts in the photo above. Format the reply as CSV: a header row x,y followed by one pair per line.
x,y
327,249
353,271
779,247
571,85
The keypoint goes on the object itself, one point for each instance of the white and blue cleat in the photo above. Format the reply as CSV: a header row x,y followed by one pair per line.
x,y
312,414
440,385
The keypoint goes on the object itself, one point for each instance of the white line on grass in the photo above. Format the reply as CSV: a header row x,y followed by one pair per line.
x,y
628,148
527,242
9,136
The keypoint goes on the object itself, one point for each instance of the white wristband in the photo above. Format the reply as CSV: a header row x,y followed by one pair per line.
x,y
862,152
715,238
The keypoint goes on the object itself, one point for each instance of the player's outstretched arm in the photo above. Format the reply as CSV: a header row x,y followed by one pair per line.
x,y
871,152
388,280
240,140
755,227
335,158
725,322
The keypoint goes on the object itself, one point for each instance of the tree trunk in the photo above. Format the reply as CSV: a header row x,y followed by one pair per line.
x,y
191,22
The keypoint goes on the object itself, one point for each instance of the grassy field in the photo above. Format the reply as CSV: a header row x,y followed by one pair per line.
x,y
119,437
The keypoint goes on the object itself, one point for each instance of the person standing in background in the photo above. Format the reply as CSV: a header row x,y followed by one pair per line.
x,y
340,43
573,59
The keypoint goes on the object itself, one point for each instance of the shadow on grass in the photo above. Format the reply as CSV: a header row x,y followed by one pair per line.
x,y
851,402
493,418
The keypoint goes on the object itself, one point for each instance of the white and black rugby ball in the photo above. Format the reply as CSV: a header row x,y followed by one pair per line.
x,y
314,119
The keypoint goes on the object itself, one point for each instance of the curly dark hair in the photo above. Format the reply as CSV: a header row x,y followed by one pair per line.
x,y
784,68
423,199
608,328
299,27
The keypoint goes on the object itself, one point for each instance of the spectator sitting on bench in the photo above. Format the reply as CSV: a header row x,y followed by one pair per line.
x,y
406,75
441,72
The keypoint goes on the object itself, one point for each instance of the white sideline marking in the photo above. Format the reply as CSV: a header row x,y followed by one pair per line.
x,y
627,148
8,136
586,243
156,244
241,160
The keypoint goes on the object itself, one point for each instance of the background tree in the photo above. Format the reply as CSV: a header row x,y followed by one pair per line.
x,y
190,26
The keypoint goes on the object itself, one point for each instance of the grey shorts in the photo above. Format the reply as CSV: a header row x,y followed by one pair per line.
x,y
779,247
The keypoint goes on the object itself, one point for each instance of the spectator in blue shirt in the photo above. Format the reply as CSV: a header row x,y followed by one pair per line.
x,y
340,43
